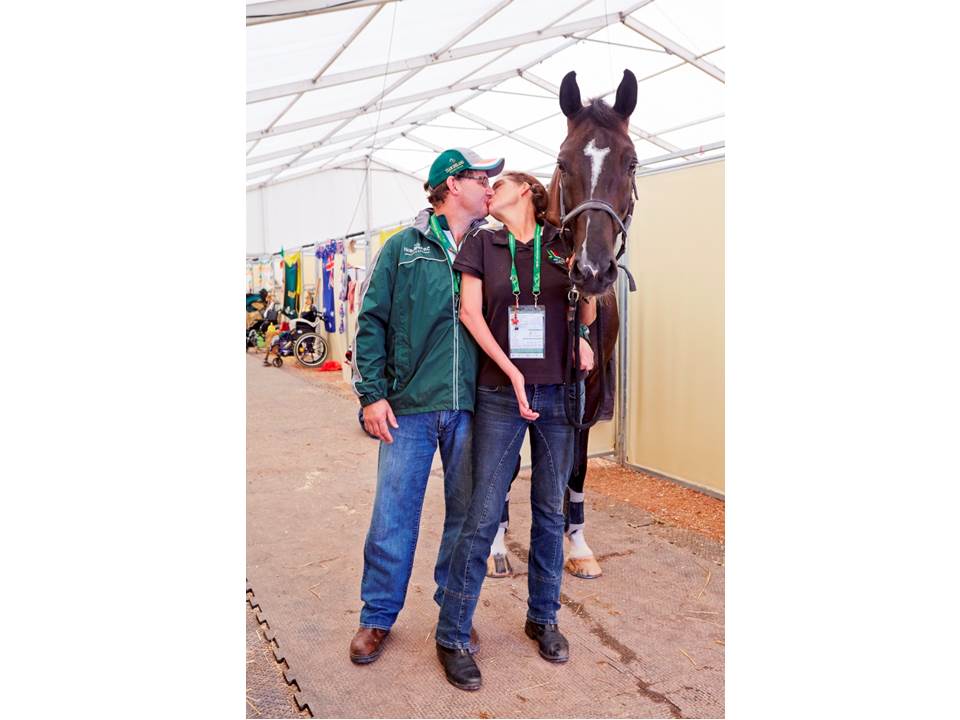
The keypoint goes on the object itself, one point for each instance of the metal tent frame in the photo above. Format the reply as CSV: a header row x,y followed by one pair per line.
x,y
336,145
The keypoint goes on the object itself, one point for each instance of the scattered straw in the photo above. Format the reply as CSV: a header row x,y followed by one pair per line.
x,y
709,575
320,562
710,622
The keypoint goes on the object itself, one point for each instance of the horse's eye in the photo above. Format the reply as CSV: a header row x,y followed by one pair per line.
x,y
633,167
563,169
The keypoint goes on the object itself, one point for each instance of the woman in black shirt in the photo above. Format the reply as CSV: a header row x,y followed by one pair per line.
x,y
513,302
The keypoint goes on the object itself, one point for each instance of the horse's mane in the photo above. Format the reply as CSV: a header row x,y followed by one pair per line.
x,y
602,114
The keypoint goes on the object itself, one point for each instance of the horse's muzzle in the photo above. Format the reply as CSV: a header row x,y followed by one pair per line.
x,y
592,282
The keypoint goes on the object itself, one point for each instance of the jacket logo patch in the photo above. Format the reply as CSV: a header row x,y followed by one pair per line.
x,y
417,249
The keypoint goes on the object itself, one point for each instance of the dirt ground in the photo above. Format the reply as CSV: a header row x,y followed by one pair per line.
x,y
670,503
661,636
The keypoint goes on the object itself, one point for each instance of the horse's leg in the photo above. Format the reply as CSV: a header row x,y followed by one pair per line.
x,y
498,564
580,560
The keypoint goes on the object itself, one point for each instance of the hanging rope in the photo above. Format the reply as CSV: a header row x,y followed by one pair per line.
x,y
383,84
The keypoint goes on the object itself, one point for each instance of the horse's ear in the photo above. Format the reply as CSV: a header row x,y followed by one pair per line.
x,y
570,101
626,95
552,215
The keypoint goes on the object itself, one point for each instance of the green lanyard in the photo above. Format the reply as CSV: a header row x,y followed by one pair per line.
x,y
514,278
442,239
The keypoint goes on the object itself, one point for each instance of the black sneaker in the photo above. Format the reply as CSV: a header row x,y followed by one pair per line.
x,y
462,672
553,645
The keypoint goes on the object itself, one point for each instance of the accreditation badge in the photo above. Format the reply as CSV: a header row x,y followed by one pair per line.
x,y
527,330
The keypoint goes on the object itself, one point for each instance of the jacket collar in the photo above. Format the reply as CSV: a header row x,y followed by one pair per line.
x,y
422,223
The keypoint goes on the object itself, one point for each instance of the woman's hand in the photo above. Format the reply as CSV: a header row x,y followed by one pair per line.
x,y
519,389
586,355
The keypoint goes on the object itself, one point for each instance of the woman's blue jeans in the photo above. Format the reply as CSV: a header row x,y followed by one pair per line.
x,y
402,473
497,437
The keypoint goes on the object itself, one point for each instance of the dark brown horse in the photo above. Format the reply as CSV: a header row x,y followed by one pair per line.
x,y
591,200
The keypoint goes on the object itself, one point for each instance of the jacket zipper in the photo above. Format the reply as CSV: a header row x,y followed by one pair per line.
x,y
456,326
456,340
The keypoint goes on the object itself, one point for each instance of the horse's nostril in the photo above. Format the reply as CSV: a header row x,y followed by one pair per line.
x,y
611,273
576,274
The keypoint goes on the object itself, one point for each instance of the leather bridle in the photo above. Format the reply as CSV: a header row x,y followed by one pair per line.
x,y
573,406
622,223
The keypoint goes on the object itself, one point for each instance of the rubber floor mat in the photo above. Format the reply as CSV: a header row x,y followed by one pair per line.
x,y
646,638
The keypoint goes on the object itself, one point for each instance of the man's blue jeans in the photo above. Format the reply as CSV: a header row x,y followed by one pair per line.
x,y
402,473
498,435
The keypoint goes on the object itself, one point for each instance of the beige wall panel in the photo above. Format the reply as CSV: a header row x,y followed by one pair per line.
x,y
602,437
676,344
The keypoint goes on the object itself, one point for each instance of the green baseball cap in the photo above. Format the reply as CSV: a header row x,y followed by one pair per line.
x,y
455,160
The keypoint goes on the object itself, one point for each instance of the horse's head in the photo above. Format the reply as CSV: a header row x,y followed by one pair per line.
x,y
591,190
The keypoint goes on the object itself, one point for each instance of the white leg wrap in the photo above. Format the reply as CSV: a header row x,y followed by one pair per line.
x,y
578,544
498,547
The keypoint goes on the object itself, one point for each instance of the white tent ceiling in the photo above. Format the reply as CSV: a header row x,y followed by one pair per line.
x,y
331,82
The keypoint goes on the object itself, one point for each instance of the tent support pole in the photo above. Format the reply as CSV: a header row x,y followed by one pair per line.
x,y
366,249
623,343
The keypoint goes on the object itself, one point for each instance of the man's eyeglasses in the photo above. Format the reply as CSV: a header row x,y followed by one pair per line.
x,y
482,179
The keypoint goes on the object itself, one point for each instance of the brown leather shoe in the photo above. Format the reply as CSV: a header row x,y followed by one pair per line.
x,y
367,645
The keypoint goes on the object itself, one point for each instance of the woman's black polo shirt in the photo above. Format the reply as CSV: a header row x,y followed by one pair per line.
x,y
486,255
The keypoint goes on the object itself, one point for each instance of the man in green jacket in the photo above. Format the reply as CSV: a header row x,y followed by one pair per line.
x,y
415,369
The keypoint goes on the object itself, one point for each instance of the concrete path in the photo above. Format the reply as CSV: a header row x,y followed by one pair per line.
x,y
646,638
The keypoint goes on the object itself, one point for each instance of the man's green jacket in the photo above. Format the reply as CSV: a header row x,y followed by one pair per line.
x,y
411,347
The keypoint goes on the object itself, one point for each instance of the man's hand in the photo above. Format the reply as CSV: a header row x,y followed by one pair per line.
x,y
378,418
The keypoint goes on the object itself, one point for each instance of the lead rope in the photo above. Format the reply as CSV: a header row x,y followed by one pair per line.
x,y
574,408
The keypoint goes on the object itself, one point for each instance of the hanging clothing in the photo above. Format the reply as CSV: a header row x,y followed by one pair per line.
x,y
342,310
327,259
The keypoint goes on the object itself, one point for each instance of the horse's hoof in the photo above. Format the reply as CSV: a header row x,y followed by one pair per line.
x,y
586,568
498,566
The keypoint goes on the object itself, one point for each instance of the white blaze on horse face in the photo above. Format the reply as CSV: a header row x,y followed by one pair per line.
x,y
585,263
597,156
